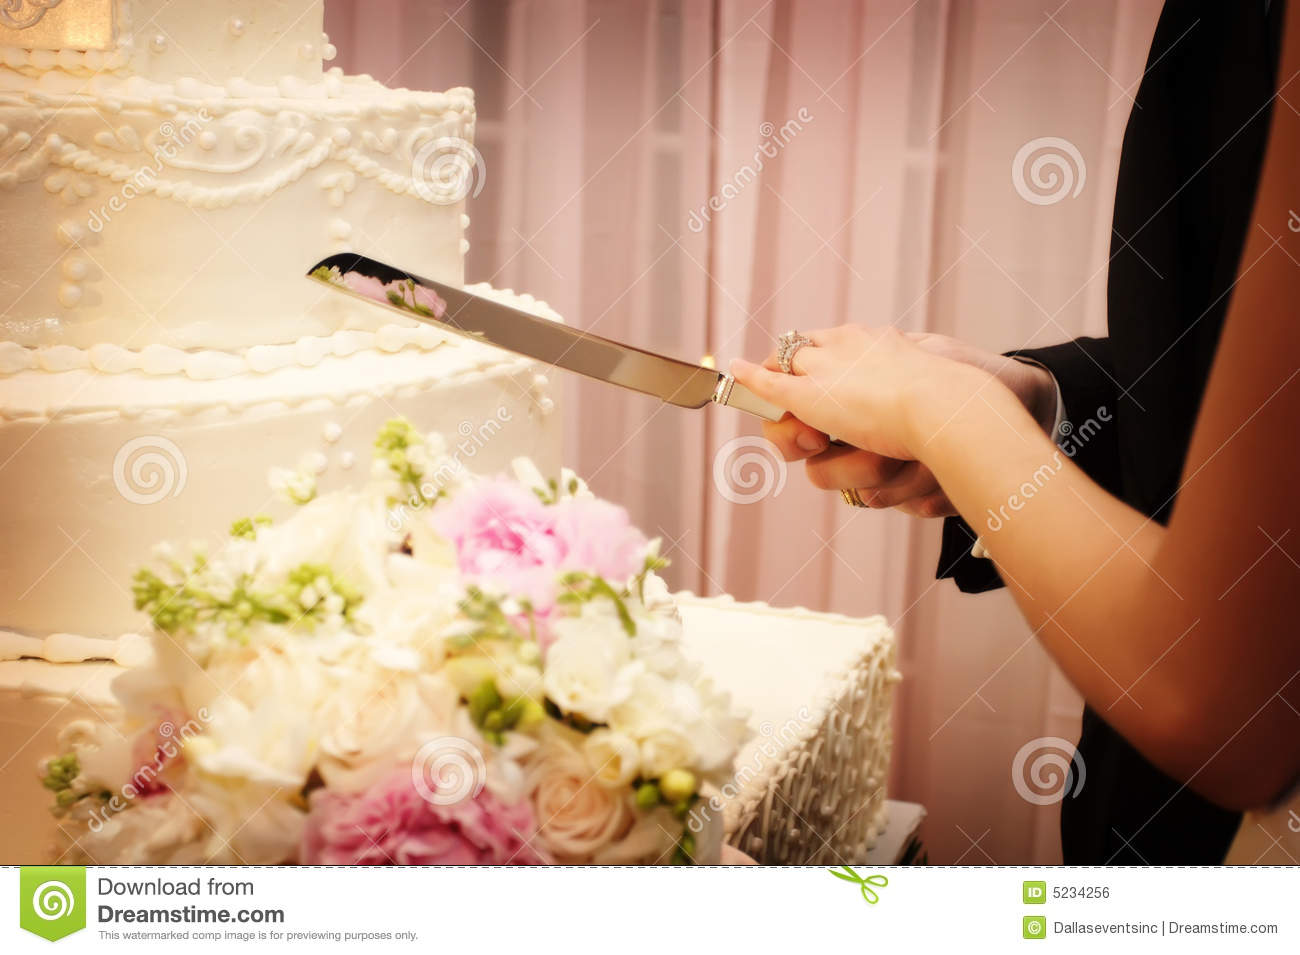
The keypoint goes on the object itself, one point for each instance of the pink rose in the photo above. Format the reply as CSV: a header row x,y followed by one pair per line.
x,y
392,824
505,538
599,538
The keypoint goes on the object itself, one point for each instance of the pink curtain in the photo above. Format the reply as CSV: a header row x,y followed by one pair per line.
x,y
698,176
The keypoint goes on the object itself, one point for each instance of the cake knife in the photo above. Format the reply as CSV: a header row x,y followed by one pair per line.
x,y
456,310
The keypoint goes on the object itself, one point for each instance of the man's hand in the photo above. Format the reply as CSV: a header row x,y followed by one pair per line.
x,y
907,485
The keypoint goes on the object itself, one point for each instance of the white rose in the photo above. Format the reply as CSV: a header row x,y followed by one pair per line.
x,y
586,669
578,816
613,757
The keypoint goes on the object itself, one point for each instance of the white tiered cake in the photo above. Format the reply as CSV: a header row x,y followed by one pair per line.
x,y
167,171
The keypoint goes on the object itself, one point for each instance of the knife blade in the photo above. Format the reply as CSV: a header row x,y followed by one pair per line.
x,y
456,310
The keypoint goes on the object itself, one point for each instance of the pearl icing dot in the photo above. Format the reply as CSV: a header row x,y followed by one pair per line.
x,y
236,26
158,43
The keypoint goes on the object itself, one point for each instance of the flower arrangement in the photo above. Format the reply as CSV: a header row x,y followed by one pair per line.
x,y
433,668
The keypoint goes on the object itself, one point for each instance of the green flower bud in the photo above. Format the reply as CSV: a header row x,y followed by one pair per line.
x,y
531,713
688,844
495,721
483,699
647,796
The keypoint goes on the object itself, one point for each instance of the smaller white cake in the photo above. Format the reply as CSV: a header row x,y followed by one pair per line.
x,y
809,788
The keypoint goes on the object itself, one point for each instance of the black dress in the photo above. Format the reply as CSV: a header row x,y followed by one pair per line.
x,y
1188,174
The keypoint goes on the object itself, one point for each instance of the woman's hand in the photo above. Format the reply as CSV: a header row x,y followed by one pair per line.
x,y
890,482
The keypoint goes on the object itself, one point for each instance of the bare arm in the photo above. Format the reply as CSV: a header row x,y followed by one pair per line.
x,y
1185,638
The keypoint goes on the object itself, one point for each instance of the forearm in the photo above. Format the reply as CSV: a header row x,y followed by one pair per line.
x,y
1078,561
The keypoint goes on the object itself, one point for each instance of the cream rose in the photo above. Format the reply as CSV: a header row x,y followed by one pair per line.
x,y
577,816
613,757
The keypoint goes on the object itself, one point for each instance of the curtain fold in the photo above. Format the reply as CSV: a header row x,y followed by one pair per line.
x,y
698,176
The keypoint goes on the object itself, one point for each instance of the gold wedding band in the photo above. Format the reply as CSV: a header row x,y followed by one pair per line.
x,y
852,498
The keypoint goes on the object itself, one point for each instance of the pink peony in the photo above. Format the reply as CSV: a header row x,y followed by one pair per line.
x,y
505,538
599,539
392,824
365,285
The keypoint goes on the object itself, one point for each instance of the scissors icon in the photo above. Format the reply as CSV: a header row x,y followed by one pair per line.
x,y
864,883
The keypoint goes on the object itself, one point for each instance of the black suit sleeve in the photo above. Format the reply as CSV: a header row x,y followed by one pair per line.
x,y
1085,374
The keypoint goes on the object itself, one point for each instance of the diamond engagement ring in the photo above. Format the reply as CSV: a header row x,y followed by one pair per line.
x,y
786,346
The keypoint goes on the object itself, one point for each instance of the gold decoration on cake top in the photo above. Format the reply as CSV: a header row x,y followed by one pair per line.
x,y
57,24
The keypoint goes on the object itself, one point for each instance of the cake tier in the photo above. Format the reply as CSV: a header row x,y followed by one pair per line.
x,y
118,451
260,39
809,788
187,214
819,687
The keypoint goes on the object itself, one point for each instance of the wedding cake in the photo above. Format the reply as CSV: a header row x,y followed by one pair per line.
x,y
167,171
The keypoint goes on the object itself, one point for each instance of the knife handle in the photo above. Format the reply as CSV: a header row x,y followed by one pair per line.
x,y
735,395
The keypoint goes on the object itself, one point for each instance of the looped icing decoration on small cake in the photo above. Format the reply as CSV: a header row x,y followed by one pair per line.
x,y
21,14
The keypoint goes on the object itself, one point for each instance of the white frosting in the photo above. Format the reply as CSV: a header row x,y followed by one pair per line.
x,y
186,214
73,438
164,39
208,364
809,789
